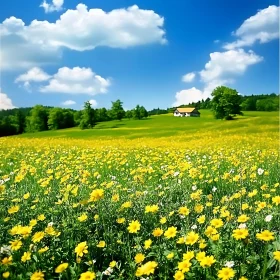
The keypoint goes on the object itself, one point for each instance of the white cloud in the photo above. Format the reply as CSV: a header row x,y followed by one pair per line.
x,y
187,96
93,103
80,29
5,102
35,74
225,65
188,77
221,69
263,27
55,6
76,81
68,103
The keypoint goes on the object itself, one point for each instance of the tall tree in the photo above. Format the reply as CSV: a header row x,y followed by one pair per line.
x,y
117,110
225,102
88,116
38,119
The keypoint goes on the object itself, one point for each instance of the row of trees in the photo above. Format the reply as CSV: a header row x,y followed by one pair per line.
x,y
263,102
40,118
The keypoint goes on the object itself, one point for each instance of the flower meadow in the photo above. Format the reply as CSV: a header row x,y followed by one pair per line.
x,y
166,208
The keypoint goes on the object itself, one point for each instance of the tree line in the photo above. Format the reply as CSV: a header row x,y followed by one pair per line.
x,y
41,118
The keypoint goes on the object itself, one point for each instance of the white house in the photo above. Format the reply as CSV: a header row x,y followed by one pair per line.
x,y
186,112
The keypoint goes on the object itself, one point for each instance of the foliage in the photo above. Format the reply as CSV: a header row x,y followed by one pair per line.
x,y
38,119
117,111
225,102
59,118
139,112
88,117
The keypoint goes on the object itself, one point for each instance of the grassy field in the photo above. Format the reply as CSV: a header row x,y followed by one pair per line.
x,y
162,198
167,125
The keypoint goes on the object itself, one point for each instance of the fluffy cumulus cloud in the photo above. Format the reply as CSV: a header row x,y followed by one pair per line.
x,y
187,96
5,101
221,69
225,65
76,80
262,27
68,103
56,5
188,77
79,29
35,74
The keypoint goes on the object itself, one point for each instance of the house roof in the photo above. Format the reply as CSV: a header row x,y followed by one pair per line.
x,y
185,110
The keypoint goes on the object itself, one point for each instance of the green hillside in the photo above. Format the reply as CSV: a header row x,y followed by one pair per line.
x,y
168,125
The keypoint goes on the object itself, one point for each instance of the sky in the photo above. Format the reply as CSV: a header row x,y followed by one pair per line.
x,y
156,53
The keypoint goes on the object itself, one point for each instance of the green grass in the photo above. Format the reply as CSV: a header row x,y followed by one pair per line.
x,y
168,125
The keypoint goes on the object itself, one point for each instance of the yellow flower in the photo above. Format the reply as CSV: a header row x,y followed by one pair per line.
x,y
200,256
139,258
120,220
41,217
83,217
207,261
146,269
33,222
276,255
276,200
126,204
157,232
151,208
191,238
241,233
134,227
163,220
101,244
201,219
112,264
26,196
226,273
170,232
147,244
38,275
6,274
13,209
184,211
179,275
243,278
96,217
38,236
216,223
184,266
188,256
26,257
7,260
210,231
243,219
89,275
265,235
42,250
96,195
61,268
15,245
81,249
215,237
170,256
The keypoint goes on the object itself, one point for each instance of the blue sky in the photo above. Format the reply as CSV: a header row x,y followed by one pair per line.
x,y
150,52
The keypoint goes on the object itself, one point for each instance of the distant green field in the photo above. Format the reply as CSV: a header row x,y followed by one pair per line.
x,y
168,125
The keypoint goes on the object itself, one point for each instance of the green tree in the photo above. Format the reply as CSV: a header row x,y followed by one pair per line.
x,y
136,113
55,120
117,110
38,119
143,112
129,114
225,102
88,116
